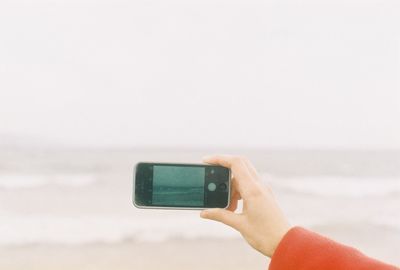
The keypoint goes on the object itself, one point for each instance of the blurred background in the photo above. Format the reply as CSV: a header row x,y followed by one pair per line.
x,y
308,90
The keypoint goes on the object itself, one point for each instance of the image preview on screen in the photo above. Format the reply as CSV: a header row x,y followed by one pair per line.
x,y
178,186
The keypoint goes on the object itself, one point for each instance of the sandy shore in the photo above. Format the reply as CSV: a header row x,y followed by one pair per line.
x,y
175,254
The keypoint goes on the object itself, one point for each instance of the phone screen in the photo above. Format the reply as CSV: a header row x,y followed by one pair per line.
x,y
176,186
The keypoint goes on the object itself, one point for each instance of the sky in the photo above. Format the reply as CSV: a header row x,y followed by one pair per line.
x,y
309,74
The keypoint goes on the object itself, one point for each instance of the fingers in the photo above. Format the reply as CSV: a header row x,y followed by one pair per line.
x,y
234,189
233,205
251,168
245,175
222,215
234,201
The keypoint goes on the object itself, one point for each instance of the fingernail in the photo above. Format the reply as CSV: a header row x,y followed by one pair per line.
x,y
203,213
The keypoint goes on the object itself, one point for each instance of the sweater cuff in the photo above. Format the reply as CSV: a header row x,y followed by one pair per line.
x,y
284,253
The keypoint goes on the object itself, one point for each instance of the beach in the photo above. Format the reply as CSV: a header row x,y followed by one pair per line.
x,y
72,208
175,254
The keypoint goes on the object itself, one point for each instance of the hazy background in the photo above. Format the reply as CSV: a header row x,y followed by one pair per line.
x,y
309,90
201,73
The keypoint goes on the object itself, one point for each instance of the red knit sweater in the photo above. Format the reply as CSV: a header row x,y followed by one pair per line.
x,y
301,249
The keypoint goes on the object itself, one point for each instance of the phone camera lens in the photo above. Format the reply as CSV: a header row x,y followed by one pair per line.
x,y
222,186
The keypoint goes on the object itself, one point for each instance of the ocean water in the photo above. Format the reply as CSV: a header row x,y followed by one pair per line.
x,y
75,197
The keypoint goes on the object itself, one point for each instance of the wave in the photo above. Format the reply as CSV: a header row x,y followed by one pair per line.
x,y
25,230
23,181
339,186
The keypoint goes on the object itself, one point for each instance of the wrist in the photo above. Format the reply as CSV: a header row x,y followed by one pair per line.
x,y
278,239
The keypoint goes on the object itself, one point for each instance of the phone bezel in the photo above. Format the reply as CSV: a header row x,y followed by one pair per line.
x,y
177,207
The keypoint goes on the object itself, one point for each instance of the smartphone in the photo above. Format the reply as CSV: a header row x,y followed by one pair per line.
x,y
181,186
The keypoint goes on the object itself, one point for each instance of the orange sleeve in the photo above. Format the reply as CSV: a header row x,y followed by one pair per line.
x,y
301,249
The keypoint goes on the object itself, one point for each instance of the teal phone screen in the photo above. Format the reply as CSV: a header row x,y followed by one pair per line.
x,y
178,186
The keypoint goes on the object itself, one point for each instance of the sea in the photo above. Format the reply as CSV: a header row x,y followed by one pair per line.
x,y
75,196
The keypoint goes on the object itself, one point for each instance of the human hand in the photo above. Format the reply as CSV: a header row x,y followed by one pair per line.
x,y
261,223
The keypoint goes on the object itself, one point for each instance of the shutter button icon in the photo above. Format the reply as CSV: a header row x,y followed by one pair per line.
x,y
212,187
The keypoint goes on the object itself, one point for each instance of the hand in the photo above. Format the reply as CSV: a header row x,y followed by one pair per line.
x,y
261,222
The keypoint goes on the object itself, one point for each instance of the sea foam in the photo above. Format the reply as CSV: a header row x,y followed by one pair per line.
x,y
23,181
339,186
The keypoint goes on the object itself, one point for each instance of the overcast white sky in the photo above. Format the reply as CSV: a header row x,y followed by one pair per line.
x,y
201,73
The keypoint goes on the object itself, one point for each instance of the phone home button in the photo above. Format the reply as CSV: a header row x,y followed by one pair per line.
x,y
212,187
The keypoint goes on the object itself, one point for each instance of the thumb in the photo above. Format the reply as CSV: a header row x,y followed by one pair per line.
x,y
222,215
